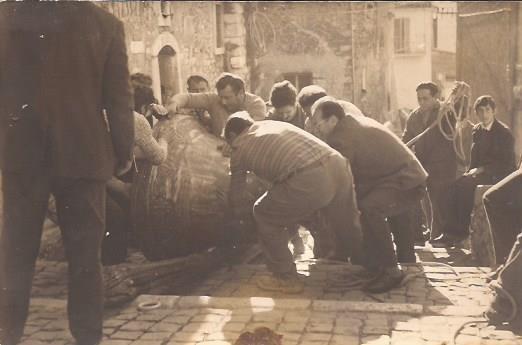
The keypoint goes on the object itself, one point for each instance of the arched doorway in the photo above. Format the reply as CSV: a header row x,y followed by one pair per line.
x,y
168,71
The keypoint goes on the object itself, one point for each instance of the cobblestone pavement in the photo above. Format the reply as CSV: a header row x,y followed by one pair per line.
x,y
427,310
219,321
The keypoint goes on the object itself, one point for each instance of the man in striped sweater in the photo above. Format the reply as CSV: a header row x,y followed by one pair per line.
x,y
306,175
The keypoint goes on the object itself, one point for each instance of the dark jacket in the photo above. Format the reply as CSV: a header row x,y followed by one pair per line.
x,y
494,150
435,152
60,65
376,155
298,120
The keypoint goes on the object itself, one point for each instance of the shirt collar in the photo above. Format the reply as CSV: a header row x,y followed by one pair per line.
x,y
488,127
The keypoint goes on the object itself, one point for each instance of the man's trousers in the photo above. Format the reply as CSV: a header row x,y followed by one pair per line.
x,y
458,204
503,204
386,210
326,186
81,215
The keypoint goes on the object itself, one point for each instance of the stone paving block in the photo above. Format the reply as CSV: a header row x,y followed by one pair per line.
x,y
215,342
317,338
344,340
455,310
234,327
322,317
376,340
113,323
160,336
164,326
108,331
239,318
226,336
204,327
137,326
126,335
115,342
332,306
412,325
208,318
405,338
157,315
253,325
177,319
50,335
188,337
28,330
293,316
214,311
348,328
127,316
292,327
271,316
147,342
57,325
320,327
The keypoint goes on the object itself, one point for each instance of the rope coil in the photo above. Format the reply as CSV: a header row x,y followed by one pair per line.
x,y
460,93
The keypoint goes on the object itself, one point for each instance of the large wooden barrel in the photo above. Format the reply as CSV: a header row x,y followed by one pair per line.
x,y
178,207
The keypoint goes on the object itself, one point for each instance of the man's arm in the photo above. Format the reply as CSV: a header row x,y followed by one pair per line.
x,y
410,130
257,108
146,145
117,97
192,100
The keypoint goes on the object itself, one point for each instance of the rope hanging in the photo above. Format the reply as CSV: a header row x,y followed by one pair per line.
x,y
459,95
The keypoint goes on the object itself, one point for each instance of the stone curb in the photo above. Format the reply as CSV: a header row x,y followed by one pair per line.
x,y
168,302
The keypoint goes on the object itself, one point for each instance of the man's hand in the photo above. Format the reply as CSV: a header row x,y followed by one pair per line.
x,y
158,111
474,172
173,107
123,168
225,149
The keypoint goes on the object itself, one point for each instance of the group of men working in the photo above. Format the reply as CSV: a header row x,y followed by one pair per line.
x,y
54,139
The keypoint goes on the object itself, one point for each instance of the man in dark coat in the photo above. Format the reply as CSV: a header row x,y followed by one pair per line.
x,y
61,65
492,159
435,152
389,180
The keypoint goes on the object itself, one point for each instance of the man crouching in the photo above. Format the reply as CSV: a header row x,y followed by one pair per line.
x,y
306,175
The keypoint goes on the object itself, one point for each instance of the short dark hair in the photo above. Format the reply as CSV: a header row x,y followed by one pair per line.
x,y
196,79
140,79
143,95
329,107
236,82
237,123
430,86
283,94
309,94
484,101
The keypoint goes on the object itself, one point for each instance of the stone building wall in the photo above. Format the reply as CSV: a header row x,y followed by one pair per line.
x,y
189,28
319,38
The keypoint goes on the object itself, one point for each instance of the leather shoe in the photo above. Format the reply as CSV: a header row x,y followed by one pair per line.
x,y
445,241
385,282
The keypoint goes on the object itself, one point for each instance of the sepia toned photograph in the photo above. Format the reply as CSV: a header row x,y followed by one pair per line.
x,y
260,172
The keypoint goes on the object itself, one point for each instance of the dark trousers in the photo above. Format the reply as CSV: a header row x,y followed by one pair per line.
x,y
386,211
115,242
437,187
458,204
327,187
81,215
503,204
